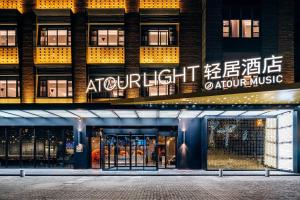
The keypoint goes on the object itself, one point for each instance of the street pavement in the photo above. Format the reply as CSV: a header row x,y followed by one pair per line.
x,y
150,187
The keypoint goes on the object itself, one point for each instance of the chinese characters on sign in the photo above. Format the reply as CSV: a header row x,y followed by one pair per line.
x,y
243,73
232,74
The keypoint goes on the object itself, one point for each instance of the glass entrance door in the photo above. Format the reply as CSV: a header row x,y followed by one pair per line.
x,y
123,155
130,152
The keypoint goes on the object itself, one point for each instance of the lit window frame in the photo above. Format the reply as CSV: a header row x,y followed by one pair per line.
x,y
97,29
17,89
172,31
43,86
170,88
7,28
48,28
228,21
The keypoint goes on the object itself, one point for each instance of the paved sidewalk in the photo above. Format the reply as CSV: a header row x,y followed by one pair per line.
x,y
161,172
150,187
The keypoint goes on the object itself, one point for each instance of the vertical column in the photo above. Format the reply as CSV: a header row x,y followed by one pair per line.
x,y
190,40
79,53
81,158
26,27
189,144
286,38
132,44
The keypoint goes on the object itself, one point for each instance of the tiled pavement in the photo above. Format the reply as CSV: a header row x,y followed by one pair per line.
x,y
150,187
161,172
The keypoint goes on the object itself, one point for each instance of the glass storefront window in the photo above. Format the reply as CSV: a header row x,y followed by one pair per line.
x,y
166,152
171,152
95,148
69,148
2,147
56,157
42,147
161,151
27,140
150,149
13,153
235,144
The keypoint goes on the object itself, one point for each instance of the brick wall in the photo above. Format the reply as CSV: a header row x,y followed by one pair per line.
x,y
26,26
190,40
132,43
286,38
79,34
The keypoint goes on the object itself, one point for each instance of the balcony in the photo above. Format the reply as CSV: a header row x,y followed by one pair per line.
x,y
159,55
56,4
9,55
12,4
53,55
106,4
158,4
105,55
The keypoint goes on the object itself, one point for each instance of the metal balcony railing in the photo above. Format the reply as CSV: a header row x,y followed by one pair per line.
x,y
159,55
148,4
106,4
53,55
9,55
105,55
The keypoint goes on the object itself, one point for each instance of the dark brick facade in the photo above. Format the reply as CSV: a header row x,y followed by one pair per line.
x,y
79,34
190,40
27,69
286,39
200,39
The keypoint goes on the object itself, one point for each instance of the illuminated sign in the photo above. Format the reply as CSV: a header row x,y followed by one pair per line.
x,y
232,74
163,77
243,73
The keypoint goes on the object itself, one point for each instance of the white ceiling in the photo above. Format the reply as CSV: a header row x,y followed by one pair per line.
x,y
134,114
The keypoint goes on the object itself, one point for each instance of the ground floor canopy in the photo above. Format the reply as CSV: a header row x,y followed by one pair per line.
x,y
191,137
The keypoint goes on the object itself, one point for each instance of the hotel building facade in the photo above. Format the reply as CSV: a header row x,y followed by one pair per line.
x,y
150,84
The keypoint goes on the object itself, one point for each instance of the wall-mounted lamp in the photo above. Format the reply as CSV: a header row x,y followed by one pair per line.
x,y
183,136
